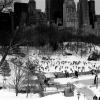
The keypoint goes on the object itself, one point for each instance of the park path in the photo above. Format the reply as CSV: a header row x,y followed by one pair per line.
x,y
88,93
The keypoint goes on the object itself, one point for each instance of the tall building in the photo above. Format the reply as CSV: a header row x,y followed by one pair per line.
x,y
69,14
5,19
35,16
32,6
92,12
20,13
54,10
47,8
97,25
83,13
32,12
5,28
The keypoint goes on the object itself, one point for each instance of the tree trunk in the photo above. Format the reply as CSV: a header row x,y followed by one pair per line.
x,y
81,49
4,81
27,87
4,56
16,90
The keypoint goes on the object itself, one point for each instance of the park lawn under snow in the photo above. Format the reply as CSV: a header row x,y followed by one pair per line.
x,y
8,95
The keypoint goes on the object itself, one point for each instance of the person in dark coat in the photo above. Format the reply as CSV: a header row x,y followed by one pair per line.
x,y
76,73
66,73
92,71
95,79
46,81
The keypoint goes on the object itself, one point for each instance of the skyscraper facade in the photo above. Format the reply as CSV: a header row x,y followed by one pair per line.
x,y
92,16
54,10
20,13
32,5
83,13
47,8
70,14
32,12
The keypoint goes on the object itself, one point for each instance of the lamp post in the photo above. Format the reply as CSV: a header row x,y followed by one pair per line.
x,y
78,95
84,96
97,81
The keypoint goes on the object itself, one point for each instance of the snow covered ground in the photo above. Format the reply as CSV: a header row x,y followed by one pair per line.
x,y
59,63
10,95
6,95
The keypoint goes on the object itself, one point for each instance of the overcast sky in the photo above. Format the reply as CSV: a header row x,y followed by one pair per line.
x,y
41,5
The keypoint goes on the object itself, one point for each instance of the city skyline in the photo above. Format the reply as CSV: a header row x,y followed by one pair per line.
x,y
40,4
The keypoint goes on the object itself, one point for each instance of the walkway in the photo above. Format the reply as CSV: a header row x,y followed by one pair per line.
x,y
82,83
85,90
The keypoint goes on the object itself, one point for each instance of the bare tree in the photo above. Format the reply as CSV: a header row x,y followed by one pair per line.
x,y
18,74
12,44
30,71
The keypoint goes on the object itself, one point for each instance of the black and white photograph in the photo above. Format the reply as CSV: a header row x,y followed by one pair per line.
x,y
49,49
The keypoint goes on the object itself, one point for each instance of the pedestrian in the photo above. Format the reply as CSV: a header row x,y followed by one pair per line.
x,y
66,73
76,73
92,71
95,79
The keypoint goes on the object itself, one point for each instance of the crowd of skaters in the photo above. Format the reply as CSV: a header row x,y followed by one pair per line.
x,y
63,65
